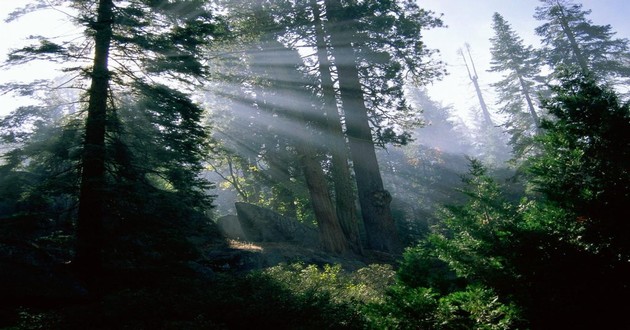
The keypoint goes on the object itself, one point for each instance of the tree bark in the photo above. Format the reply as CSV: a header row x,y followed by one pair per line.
x,y
92,188
331,234
373,198
285,75
344,190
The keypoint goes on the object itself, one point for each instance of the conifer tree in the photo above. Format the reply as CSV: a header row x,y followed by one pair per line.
x,y
138,46
516,90
569,38
375,45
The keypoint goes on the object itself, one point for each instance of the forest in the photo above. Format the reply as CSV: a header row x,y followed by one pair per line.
x,y
280,164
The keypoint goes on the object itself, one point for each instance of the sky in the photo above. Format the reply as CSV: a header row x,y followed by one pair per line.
x,y
50,23
468,22
471,22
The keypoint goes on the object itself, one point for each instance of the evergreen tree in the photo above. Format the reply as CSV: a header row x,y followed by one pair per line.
x,y
38,174
569,38
516,90
345,196
374,45
136,44
390,52
555,254
585,161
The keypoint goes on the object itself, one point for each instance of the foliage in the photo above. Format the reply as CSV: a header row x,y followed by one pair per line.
x,y
421,267
569,38
584,167
389,52
474,307
137,153
517,88
366,285
521,252
38,175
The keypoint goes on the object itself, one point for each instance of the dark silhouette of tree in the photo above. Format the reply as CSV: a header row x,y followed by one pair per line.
x,y
135,45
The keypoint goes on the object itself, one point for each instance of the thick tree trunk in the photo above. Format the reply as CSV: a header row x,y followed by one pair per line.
x,y
92,190
344,190
285,76
373,198
331,233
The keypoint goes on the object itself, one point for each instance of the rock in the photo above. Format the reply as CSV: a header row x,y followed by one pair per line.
x,y
244,257
230,260
230,227
263,225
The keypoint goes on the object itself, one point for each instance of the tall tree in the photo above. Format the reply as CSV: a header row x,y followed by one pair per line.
x,y
474,78
286,82
344,188
374,46
373,198
488,135
569,38
280,100
92,191
135,44
519,65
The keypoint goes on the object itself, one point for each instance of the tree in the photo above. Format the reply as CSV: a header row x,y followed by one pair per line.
x,y
38,174
488,135
136,45
340,167
373,50
278,100
552,253
301,24
474,78
585,161
520,67
569,38
287,83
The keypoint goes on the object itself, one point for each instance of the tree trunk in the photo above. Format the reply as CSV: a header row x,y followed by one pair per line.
x,y
374,199
330,231
92,190
530,104
285,77
344,190
475,80
574,45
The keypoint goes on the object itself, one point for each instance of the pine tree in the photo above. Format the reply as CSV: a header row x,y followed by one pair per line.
x,y
374,46
137,44
569,38
340,168
516,90
376,63
585,160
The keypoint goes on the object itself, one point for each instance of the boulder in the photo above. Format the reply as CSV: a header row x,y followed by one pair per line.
x,y
230,227
263,225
